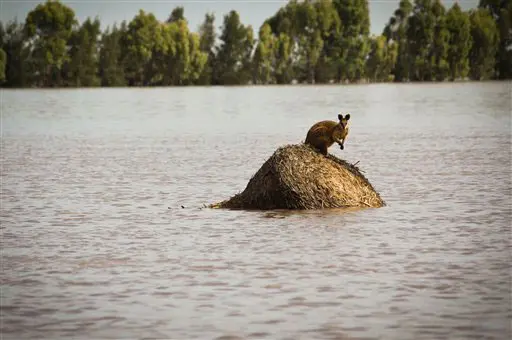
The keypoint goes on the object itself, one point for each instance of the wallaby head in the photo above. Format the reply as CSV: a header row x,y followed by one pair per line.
x,y
344,120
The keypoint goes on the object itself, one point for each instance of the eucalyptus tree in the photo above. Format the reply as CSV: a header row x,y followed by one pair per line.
x,y
501,10
485,37
460,42
48,28
396,31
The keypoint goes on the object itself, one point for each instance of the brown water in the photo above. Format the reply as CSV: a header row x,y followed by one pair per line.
x,y
95,243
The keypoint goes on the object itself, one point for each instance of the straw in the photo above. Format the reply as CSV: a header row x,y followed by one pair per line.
x,y
299,177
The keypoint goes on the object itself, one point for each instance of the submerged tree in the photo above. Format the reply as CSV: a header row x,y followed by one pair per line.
x,y
352,41
283,59
439,67
313,41
111,70
381,59
420,38
178,58
263,72
396,31
82,66
233,64
485,37
138,45
48,28
198,59
17,71
3,61
501,11
309,40
207,38
460,42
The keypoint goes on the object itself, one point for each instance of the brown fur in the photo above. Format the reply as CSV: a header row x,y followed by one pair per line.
x,y
325,133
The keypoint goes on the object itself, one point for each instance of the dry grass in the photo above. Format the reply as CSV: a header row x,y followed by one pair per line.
x,y
299,177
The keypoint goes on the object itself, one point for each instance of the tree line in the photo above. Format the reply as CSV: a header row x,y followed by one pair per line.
x,y
310,41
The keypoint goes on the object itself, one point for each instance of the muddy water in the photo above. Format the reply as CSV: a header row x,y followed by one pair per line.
x,y
95,243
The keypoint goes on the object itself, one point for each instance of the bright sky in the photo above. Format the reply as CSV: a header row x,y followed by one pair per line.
x,y
252,12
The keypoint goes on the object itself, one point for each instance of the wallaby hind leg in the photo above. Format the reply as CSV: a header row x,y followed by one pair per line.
x,y
323,150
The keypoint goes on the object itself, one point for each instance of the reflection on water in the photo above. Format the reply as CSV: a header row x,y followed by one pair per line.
x,y
95,243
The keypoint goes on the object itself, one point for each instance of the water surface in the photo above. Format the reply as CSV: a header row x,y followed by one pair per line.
x,y
95,243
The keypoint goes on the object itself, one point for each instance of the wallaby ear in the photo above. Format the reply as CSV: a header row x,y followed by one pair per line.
x,y
340,116
347,117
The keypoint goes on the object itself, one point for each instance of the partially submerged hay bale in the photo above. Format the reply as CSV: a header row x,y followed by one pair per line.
x,y
299,177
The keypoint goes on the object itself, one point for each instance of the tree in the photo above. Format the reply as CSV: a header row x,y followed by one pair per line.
x,y
485,37
111,70
177,57
381,59
207,38
198,59
440,46
420,38
352,41
329,24
264,57
49,26
233,56
17,68
83,53
501,10
178,60
396,30
313,41
310,41
177,53
460,42
137,49
3,61
177,14
283,65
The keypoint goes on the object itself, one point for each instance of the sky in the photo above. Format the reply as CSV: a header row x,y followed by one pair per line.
x,y
252,12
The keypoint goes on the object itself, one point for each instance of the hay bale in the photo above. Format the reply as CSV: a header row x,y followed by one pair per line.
x,y
299,177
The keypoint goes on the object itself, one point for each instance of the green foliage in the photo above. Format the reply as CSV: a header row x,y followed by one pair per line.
x,y
17,68
111,70
177,14
138,45
396,30
439,67
351,43
283,59
264,57
309,41
233,65
420,38
176,58
381,59
485,36
501,11
3,61
460,42
82,67
207,38
177,51
198,59
48,28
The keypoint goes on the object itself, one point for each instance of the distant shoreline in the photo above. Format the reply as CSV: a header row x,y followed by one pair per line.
x,y
446,82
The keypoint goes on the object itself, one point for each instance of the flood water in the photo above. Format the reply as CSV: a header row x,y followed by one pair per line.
x,y
96,244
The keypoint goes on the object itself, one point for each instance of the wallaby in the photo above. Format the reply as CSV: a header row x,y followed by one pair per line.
x,y
325,133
